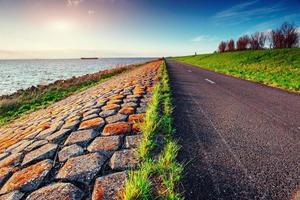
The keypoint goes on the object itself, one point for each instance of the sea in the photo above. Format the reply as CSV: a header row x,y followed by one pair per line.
x,y
22,74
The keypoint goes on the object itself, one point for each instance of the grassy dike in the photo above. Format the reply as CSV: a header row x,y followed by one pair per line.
x,y
275,67
29,100
159,172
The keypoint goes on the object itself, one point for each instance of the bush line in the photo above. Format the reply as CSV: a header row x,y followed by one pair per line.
x,y
158,173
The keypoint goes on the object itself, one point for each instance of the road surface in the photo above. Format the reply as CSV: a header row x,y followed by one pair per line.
x,y
240,140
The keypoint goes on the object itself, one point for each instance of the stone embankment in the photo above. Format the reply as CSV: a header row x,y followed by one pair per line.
x,y
80,147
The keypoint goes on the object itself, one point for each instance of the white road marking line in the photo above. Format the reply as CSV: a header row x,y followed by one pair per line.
x,y
210,81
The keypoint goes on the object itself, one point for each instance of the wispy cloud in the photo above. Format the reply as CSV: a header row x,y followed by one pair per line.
x,y
71,3
204,38
245,12
273,23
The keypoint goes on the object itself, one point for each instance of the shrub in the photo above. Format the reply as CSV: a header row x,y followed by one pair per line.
x,y
222,46
243,43
230,45
257,41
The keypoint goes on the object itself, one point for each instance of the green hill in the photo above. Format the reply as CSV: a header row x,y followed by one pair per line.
x,y
276,67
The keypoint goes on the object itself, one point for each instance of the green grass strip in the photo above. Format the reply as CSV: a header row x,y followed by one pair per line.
x,y
156,177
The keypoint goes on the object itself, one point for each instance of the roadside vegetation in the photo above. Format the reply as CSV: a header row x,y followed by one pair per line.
x,y
274,67
23,101
159,172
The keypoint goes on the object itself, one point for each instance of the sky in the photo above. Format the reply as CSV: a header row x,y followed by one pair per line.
x,y
132,28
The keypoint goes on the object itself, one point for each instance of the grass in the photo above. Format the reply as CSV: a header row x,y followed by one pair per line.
x,y
275,67
159,173
29,100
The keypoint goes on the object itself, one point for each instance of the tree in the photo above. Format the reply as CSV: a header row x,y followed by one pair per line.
x,y
254,44
222,47
277,39
243,43
257,41
230,45
291,37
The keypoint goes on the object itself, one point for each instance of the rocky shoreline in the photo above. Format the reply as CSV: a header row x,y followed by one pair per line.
x,y
80,147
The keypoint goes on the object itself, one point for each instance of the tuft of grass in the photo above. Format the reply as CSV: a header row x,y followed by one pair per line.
x,y
157,177
274,67
149,127
138,185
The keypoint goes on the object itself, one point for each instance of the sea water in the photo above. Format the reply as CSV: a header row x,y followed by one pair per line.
x,y
22,74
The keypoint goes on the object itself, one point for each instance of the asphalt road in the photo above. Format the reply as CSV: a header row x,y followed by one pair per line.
x,y
240,140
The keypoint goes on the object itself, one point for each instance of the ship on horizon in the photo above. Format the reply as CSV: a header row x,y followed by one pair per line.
x,y
89,58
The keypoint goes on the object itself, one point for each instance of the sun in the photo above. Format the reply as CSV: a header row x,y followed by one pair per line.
x,y
61,25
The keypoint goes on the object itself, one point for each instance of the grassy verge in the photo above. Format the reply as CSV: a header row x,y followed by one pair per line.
x,y
35,98
275,67
159,173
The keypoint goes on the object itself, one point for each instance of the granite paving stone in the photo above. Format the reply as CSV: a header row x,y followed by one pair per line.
x,y
71,125
90,117
116,101
11,160
105,144
58,136
110,186
116,118
43,152
91,112
124,159
28,178
141,110
127,110
107,113
95,123
4,155
111,107
5,172
57,191
135,118
14,195
82,168
117,128
82,137
132,141
136,128
130,104
70,151
22,146
128,100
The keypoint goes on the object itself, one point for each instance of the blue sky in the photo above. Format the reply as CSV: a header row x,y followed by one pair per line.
x,y
128,28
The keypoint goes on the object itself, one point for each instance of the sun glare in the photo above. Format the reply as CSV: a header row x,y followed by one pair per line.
x,y
61,25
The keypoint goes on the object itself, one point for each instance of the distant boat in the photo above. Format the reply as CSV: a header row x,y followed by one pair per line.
x,y
89,58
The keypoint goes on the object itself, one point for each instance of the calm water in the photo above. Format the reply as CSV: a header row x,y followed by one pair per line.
x,y
22,74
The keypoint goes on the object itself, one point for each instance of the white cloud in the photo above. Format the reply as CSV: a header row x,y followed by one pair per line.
x,y
71,3
203,38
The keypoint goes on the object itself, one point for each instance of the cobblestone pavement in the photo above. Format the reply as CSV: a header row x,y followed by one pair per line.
x,y
79,147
